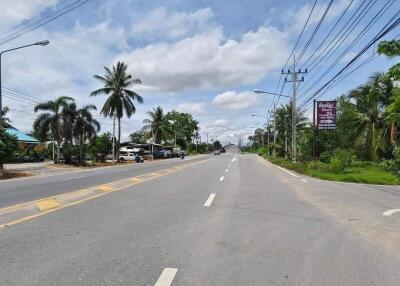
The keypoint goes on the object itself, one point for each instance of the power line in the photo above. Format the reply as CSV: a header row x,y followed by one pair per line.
x,y
315,31
346,50
330,32
391,24
11,35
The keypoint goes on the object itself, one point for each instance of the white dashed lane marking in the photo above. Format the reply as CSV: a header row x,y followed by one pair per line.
x,y
390,212
221,179
209,200
166,277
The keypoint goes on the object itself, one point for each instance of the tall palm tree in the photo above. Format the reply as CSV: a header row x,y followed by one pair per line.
x,y
120,98
6,120
283,116
157,125
50,121
85,127
69,115
370,101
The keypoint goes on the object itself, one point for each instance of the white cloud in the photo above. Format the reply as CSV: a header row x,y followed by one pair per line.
x,y
208,60
15,11
232,100
221,123
300,16
194,108
163,23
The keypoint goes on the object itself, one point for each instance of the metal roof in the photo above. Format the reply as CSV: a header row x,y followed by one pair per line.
x,y
21,137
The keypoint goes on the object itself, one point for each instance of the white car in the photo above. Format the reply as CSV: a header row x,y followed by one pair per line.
x,y
126,156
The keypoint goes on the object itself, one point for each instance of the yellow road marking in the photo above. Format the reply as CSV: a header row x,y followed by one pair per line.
x,y
105,188
47,204
136,180
59,206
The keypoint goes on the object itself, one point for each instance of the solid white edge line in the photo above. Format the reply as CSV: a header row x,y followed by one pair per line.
x,y
67,179
390,212
294,175
221,179
304,180
166,277
209,201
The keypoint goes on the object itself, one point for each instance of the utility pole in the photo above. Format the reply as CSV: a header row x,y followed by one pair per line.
x,y
113,140
274,149
294,80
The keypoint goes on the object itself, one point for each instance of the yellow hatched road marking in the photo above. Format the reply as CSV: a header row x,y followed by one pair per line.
x,y
105,188
47,204
136,180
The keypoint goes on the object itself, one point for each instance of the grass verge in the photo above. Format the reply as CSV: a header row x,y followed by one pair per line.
x,y
364,172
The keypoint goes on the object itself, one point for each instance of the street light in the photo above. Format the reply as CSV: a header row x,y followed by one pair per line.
x,y
273,93
40,43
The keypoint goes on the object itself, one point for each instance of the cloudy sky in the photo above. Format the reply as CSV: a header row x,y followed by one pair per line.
x,y
203,57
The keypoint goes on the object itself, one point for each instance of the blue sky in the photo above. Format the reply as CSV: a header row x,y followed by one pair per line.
x,y
202,57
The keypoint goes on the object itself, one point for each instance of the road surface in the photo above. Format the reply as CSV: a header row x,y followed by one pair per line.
x,y
232,219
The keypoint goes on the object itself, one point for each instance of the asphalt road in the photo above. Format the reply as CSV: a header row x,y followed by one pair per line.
x,y
32,188
231,220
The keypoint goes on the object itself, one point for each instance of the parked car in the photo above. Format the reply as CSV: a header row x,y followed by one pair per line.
x,y
126,156
217,152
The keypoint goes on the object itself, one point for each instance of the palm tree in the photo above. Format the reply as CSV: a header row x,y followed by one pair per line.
x,y
69,114
50,122
6,120
283,117
85,127
370,101
157,124
120,100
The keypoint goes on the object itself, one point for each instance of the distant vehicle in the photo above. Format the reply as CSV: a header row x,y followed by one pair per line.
x,y
126,156
217,152
223,150
176,152
162,154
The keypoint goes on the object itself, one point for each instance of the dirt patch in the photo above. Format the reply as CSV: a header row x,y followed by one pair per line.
x,y
13,175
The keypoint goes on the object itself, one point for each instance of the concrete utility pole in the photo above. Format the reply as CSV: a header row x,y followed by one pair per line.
x,y
294,80
113,141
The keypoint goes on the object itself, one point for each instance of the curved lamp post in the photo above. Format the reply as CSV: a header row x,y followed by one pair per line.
x,y
40,43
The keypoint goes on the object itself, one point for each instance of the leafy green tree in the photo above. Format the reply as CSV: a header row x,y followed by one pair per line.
x,y
100,147
120,99
389,48
138,137
157,125
85,127
49,123
8,145
183,126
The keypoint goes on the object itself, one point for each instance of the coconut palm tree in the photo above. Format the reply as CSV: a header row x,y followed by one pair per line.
x,y
85,127
49,123
157,125
120,98
370,101
6,120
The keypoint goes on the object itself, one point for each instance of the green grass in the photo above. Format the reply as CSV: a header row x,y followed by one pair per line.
x,y
366,172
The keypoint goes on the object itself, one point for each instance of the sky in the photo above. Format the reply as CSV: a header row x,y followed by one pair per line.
x,y
201,57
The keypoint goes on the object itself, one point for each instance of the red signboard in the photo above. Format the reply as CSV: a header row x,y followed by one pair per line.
x,y
326,115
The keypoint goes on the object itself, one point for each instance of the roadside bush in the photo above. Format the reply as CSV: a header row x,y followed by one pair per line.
x,y
326,156
340,160
394,164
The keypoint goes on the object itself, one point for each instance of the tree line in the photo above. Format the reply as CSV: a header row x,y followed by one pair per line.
x,y
368,119
75,130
